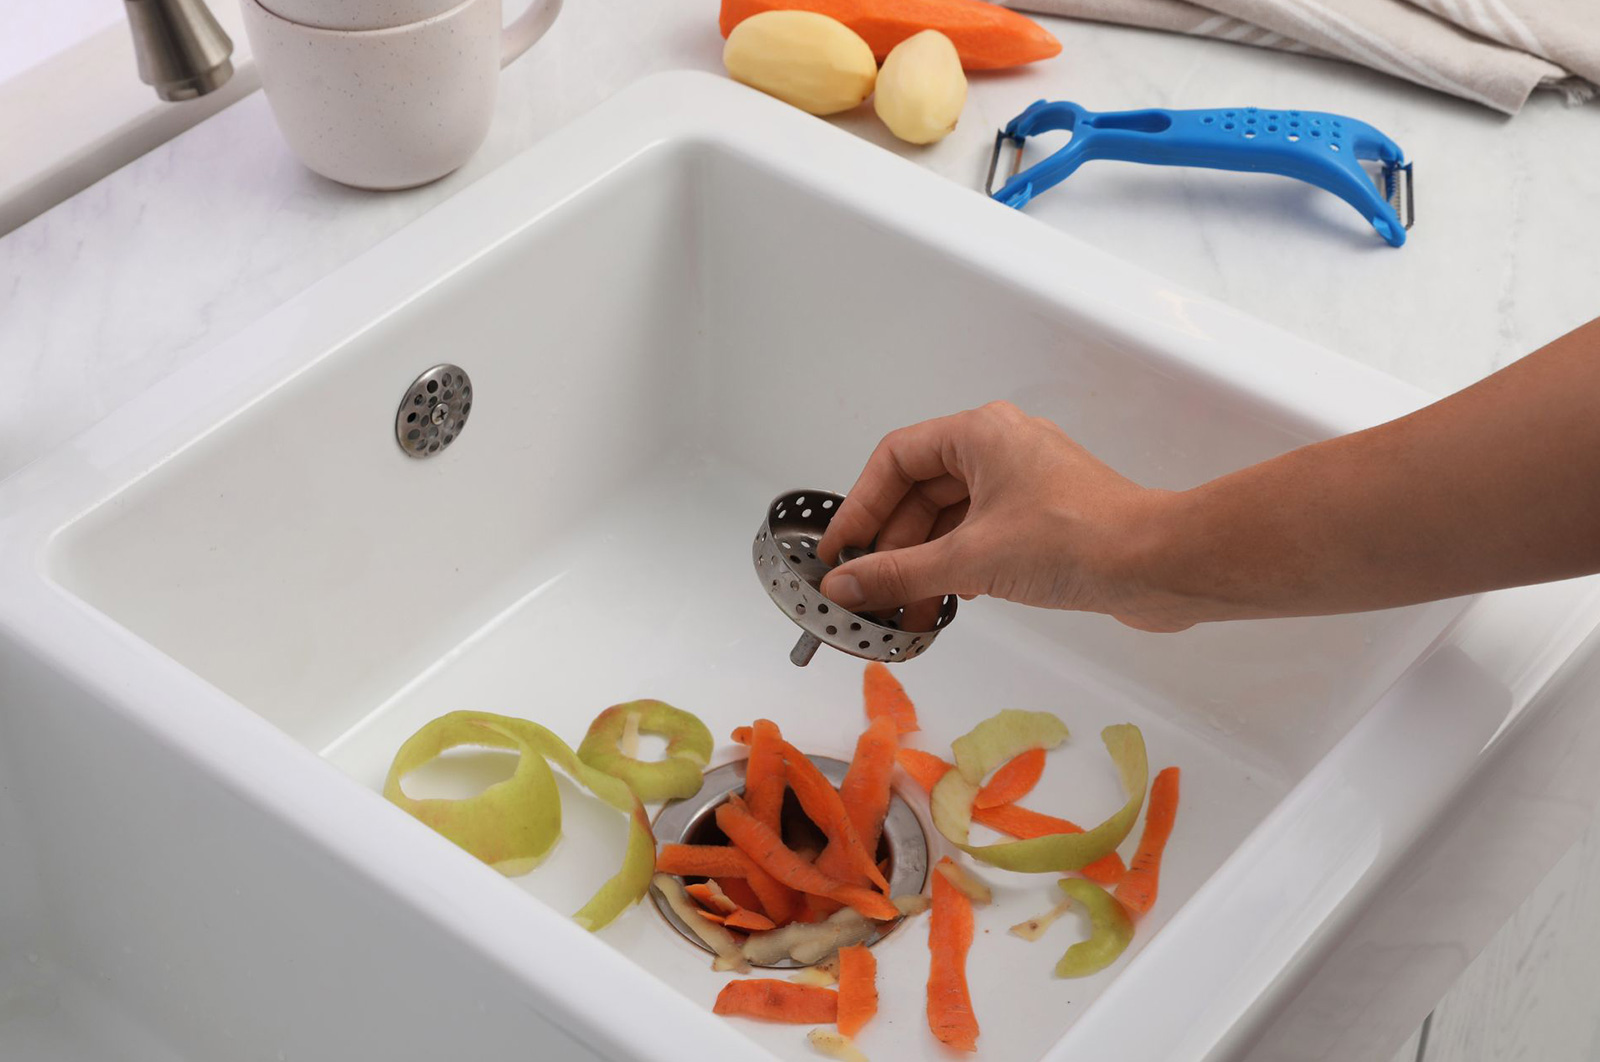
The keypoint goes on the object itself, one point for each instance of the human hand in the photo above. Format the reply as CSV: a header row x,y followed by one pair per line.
x,y
993,501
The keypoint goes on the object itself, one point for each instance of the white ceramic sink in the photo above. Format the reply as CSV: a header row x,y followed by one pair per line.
x,y
223,608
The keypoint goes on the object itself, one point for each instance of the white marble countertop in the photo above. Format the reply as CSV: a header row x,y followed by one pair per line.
x,y
134,277
72,107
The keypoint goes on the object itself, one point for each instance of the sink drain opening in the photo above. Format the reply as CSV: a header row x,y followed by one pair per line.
x,y
903,845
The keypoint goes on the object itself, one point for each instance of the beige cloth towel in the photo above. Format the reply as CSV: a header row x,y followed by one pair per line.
x,y
1493,52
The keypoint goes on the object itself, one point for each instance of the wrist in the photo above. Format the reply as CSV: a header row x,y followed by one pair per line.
x,y
1157,559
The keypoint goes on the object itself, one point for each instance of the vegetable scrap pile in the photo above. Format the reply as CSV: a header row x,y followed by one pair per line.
x,y
762,898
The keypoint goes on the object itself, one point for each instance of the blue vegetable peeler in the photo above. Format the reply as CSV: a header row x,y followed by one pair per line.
x,y
1326,150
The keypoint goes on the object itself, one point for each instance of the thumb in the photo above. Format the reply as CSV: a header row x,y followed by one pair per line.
x,y
892,578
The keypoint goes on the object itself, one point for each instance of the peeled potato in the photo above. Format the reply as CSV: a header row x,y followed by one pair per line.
x,y
805,59
921,88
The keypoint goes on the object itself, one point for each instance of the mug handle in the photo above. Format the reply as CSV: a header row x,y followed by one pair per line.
x,y
528,28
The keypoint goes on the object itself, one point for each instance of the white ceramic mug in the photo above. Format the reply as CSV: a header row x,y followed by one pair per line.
x,y
380,105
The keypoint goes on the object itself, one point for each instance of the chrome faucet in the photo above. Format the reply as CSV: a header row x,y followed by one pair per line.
x,y
182,51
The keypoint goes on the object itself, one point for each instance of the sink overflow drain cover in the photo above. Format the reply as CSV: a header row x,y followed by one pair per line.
x,y
433,411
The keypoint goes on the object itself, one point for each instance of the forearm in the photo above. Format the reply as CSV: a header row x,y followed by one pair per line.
x,y
1495,486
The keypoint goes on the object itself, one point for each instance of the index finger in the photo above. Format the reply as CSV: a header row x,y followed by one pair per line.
x,y
903,459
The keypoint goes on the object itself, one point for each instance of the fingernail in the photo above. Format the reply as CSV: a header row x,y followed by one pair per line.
x,y
845,590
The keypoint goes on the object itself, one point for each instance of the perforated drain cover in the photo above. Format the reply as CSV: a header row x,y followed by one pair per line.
x,y
433,411
785,554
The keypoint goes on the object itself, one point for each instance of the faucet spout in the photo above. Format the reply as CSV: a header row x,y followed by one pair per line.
x,y
182,51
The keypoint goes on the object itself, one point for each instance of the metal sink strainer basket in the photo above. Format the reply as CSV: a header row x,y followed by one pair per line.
x,y
785,554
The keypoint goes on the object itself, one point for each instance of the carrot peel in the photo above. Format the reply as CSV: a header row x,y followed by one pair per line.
x,y
768,851
865,794
825,807
763,772
721,861
885,696
950,928
775,1000
1014,780
749,921
858,988
1137,889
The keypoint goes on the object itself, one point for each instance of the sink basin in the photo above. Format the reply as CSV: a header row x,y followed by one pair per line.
x,y
223,608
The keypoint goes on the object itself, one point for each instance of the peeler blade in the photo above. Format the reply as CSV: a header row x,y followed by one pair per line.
x,y
1397,190
991,185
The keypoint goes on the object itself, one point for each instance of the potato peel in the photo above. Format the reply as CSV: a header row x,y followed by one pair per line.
x,y
676,775
820,976
1033,928
718,939
514,824
835,1045
814,942
951,802
969,884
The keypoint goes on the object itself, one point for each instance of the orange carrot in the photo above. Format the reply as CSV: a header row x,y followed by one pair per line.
x,y
711,899
825,807
775,1000
763,773
821,907
865,794
777,900
882,691
748,920
926,769
950,1015
702,860
715,860
987,37
1137,890
865,789
764,786
739,891
768,851
858,988
1013,780
713,916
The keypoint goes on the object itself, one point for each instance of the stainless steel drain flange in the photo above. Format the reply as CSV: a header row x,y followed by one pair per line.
x,y
693,821
433,411
785,554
